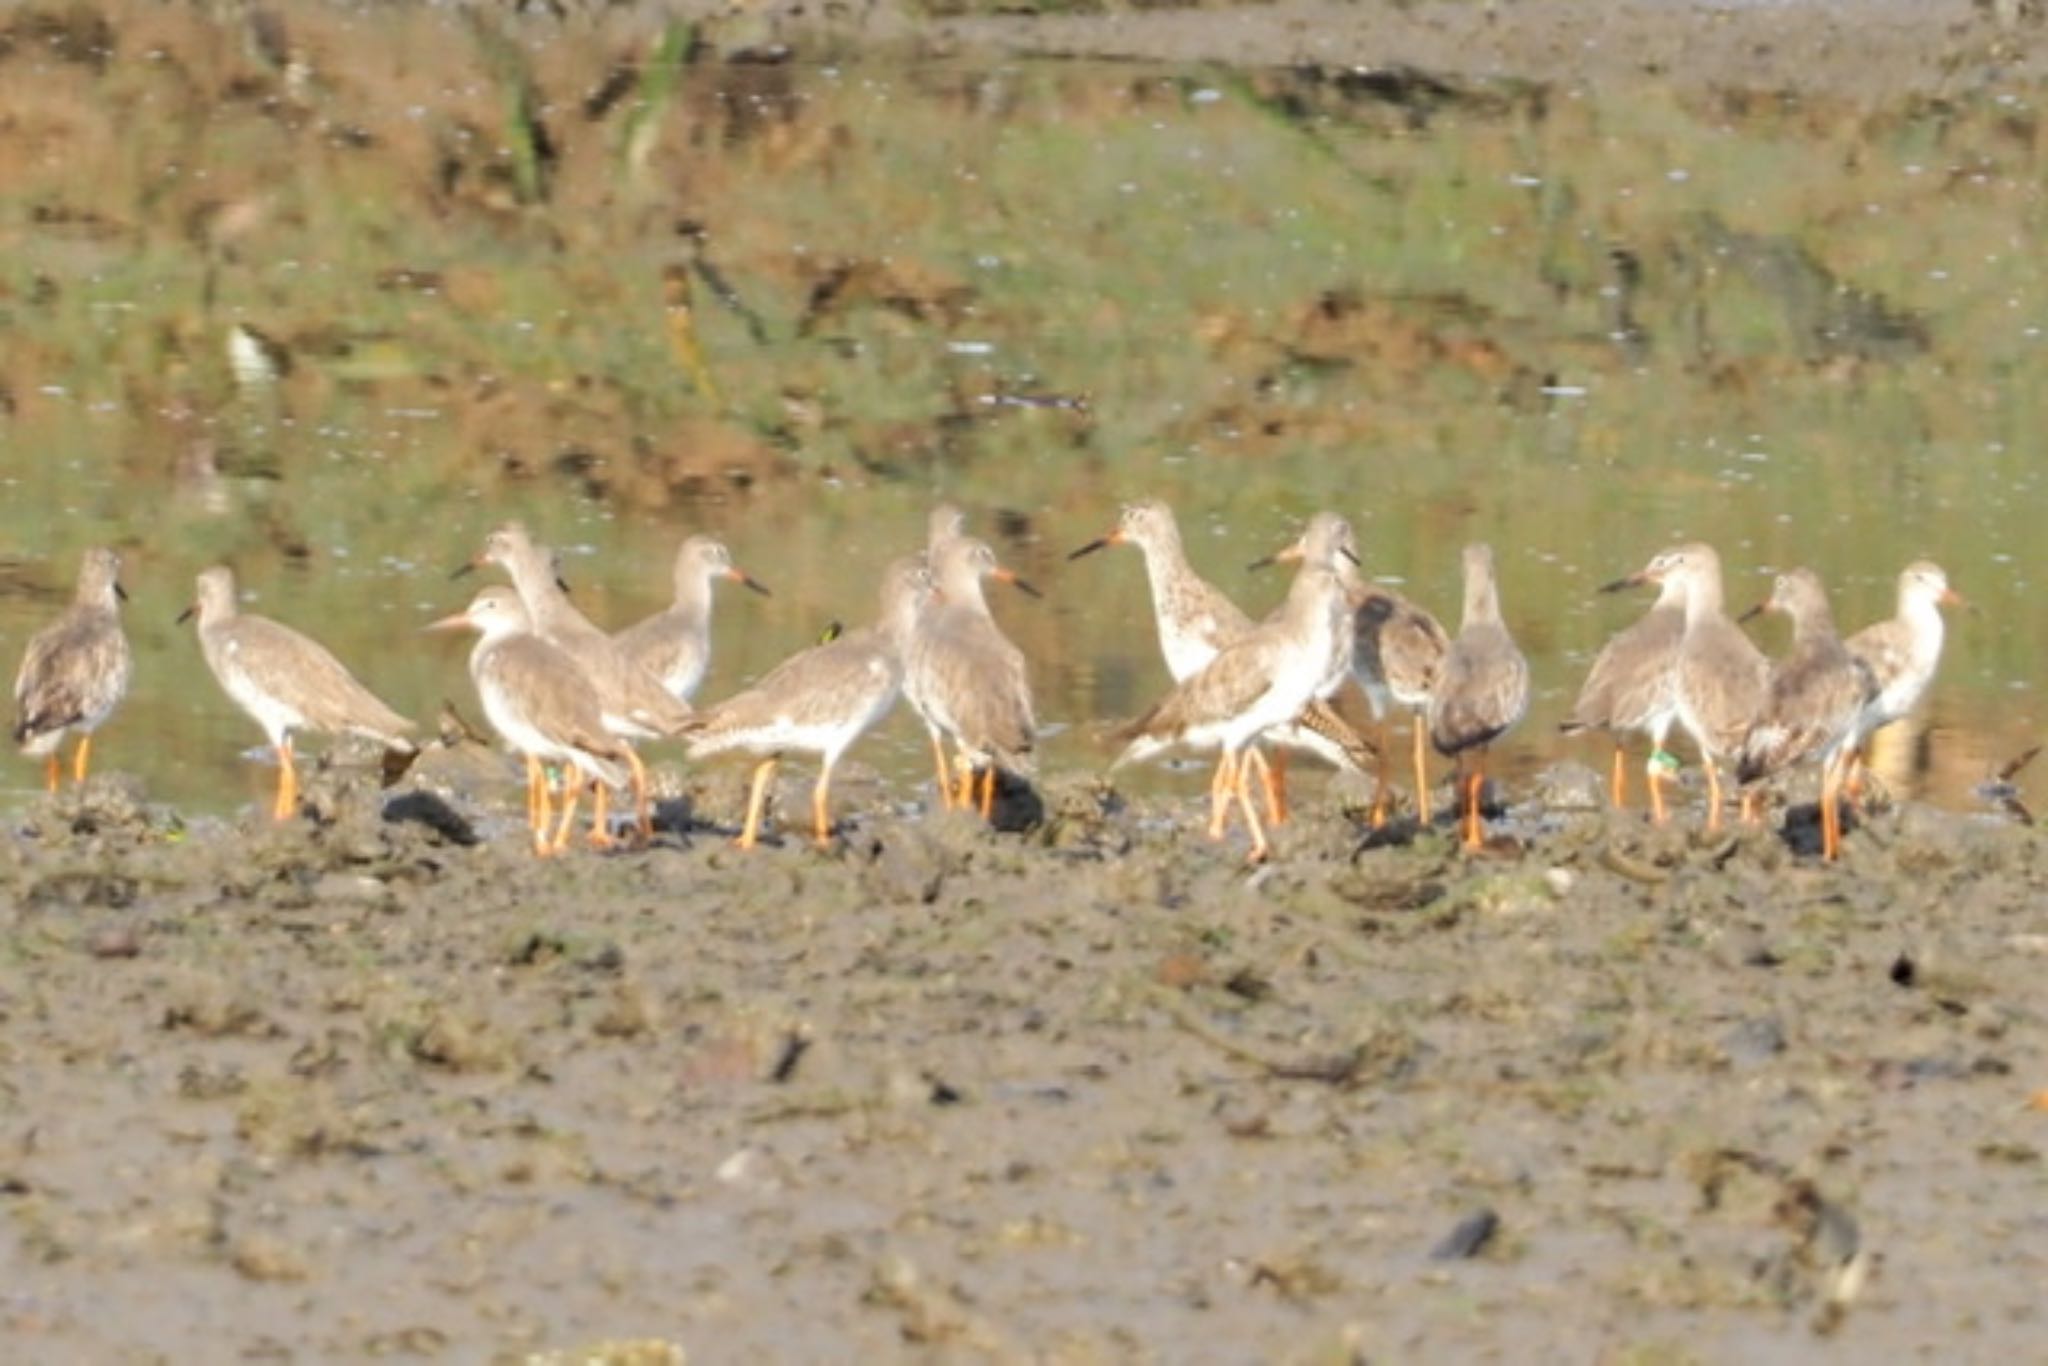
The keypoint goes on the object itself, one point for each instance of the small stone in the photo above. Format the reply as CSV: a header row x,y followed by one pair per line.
x,y
263,1258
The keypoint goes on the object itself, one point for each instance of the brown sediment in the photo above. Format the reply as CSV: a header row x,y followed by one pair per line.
x,y
349,1082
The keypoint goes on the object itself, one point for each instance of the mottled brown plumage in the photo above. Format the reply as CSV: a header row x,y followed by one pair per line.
x,y
1633,685
1815,695
634,704
286,681
1722,678
1903,651
1483,690
1263,679
1195,620
963,674
1397,660
541,703
76,670
674,644
821,699
1815,691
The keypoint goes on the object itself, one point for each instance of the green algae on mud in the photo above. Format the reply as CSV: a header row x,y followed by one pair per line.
x,y
1091,1093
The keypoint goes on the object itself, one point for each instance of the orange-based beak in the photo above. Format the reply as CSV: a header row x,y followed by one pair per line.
x,y
457,622
1009,576
1099,543
738,575
1635,580
1287,556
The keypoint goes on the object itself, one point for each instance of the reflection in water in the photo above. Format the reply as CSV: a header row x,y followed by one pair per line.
x,y
328,300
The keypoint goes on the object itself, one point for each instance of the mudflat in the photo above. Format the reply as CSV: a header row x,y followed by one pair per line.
x,y
356,1085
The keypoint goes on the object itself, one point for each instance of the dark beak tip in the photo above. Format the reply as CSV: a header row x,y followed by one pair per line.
x,y
1264,562
1348,553
461,570
756,585
1099,543
186,615
1026,589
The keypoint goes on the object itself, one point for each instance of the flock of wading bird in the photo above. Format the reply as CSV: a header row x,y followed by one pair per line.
x,y
561,691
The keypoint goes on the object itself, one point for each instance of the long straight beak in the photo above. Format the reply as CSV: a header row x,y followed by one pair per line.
x,y
1348,553
190,611
1009,576
1635,580
1287,556
1099,543
738,575
1950,598
460,570
449,623
1755,611
119,591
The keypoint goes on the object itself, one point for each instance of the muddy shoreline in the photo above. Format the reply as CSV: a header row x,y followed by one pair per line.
x,y
1871,52
350,1086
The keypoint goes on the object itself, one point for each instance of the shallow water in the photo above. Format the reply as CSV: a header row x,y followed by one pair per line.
x,y
1577,324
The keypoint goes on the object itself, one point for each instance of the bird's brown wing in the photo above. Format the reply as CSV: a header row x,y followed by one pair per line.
x,y
303,673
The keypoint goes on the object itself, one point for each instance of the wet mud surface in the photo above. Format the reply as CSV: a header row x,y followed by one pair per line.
x,y
367,1083
1878,50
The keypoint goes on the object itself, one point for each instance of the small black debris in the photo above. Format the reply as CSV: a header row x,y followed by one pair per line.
x,y
425,808
794,1045
1468,1239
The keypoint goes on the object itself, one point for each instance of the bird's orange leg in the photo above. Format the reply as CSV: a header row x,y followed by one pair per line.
x,y
1713,794
1831,810
1219,794
1658,813
535,779
945,772
53,771
1379,784
600,815
643,806
573,790
1617,782
80,761
757,798
1255,760
1260,850
538,807
963,799
1274,777
1473,826
1421,777
287,784
988,792
821,808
